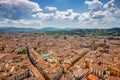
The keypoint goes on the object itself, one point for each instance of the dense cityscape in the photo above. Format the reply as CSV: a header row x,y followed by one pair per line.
x,y
39,56
59,39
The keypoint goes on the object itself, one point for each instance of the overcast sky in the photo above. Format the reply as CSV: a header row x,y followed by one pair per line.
x,y
60,13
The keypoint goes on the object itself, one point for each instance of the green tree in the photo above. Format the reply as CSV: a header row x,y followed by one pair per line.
x,y
22,52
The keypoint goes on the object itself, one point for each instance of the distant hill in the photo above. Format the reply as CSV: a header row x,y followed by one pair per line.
x,y
13,29
50,29
90,32
69,31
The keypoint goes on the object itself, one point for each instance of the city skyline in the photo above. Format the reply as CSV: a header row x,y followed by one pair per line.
x,y
60,13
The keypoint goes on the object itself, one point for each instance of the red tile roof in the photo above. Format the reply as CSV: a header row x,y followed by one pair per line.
x,y
93,77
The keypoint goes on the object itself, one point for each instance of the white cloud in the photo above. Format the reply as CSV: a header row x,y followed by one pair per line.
x,y
109,17
110,6
98,15
21,23
63,15
85,16
94,5
66,15
15,9
50,8
112,12
45,16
